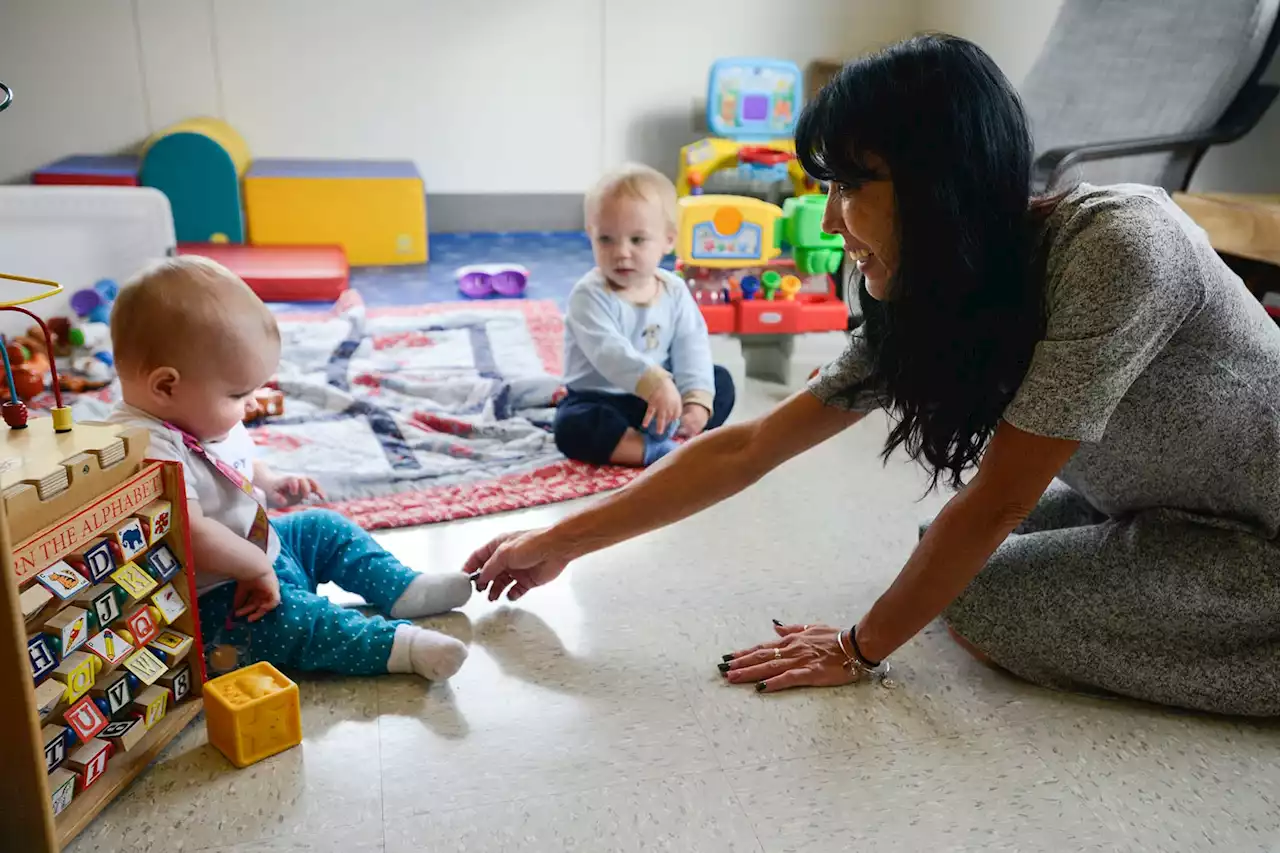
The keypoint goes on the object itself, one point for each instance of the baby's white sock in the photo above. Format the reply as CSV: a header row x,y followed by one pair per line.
x,y
428,595
430,654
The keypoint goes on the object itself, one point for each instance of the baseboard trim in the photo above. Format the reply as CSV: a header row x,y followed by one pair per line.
x,y
454,212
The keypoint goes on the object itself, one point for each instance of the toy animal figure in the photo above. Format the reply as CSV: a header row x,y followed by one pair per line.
x,y
132,538
266,403
30,366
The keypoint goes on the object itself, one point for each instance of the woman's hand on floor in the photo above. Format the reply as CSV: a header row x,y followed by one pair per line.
x,y
803,656
520,560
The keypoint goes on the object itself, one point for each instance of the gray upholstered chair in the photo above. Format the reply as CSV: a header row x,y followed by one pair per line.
x,y
1138,90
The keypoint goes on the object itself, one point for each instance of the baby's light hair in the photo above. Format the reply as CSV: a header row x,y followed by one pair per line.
x,y
185,312
634,180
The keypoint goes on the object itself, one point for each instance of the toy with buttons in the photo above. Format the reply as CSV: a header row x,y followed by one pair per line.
x,y
729,249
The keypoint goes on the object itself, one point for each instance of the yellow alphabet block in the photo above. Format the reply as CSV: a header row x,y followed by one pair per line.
x,y
156,518
144,665
133,580
77,671
151,704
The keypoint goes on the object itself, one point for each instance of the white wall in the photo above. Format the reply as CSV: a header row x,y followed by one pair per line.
x,y
527,96
1013,31
531,96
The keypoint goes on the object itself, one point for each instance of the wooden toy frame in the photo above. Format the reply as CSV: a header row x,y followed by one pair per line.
x,y
59,492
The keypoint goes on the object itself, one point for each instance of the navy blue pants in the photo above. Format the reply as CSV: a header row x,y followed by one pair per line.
x,y
589,424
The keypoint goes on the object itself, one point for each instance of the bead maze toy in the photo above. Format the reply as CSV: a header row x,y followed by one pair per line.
x,y
752,107
101,663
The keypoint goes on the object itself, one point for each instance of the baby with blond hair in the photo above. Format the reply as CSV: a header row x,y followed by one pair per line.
x,y
192,343
637,356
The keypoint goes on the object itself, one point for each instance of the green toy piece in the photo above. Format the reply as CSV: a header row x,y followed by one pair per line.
x,y
801,228
769,282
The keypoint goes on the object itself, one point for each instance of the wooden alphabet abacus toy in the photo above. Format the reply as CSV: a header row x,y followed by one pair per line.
x,y
100,657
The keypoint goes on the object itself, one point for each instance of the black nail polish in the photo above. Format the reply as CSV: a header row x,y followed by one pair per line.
x,y
727,658
723,667
776,622
759,686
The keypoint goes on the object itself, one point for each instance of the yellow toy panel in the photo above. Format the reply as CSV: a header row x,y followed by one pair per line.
x,y
252,713
376,210
727,231
698,160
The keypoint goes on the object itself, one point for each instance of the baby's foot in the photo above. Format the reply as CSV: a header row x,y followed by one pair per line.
x,y
428,595
432,655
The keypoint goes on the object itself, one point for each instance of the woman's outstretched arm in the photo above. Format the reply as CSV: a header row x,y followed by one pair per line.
x,y
712,467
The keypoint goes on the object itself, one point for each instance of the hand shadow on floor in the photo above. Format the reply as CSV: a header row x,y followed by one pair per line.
x,y
524,646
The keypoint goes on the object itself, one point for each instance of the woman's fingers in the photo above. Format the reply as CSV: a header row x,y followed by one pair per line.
x,y
767,653
499,585
648,417
788,630
797,677
761,671
739,655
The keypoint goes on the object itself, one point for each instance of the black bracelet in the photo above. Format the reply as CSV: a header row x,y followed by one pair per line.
x,y
862,659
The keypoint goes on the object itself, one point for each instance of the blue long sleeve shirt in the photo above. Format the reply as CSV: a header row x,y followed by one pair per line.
x,y
616,347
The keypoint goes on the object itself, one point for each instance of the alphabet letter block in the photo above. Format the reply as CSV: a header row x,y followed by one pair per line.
x,y
55,746
125,734
62,789
68,629
144,665
96,561
86,719
162,563
151,705
169,602
156,518
62,580
114,690
128,539
77,671
133,580
178,682
42,657
89,761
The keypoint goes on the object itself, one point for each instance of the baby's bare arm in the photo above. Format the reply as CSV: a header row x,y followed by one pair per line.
x,y
263,475
216,549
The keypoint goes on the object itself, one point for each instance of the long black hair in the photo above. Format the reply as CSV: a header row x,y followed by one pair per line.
x,y
953,340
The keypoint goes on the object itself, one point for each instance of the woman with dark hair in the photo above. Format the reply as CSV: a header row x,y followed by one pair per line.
x,y
1112,382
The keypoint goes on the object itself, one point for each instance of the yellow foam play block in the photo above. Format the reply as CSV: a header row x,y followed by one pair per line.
x,y
375,210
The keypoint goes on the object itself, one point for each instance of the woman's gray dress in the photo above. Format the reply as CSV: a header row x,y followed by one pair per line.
x,y
1151,569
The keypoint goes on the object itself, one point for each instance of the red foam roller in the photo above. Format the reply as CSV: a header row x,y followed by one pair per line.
x,y
281,273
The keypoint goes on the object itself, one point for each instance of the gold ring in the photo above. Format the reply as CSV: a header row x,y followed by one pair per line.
x,y
777,654
806,628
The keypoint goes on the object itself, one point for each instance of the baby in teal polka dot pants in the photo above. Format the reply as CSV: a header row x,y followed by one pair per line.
x,y
192,343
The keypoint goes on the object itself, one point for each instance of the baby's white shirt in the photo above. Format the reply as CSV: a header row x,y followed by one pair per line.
x,y
218,497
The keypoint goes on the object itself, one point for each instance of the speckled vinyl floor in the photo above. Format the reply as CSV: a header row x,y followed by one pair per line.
x,y
591,717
